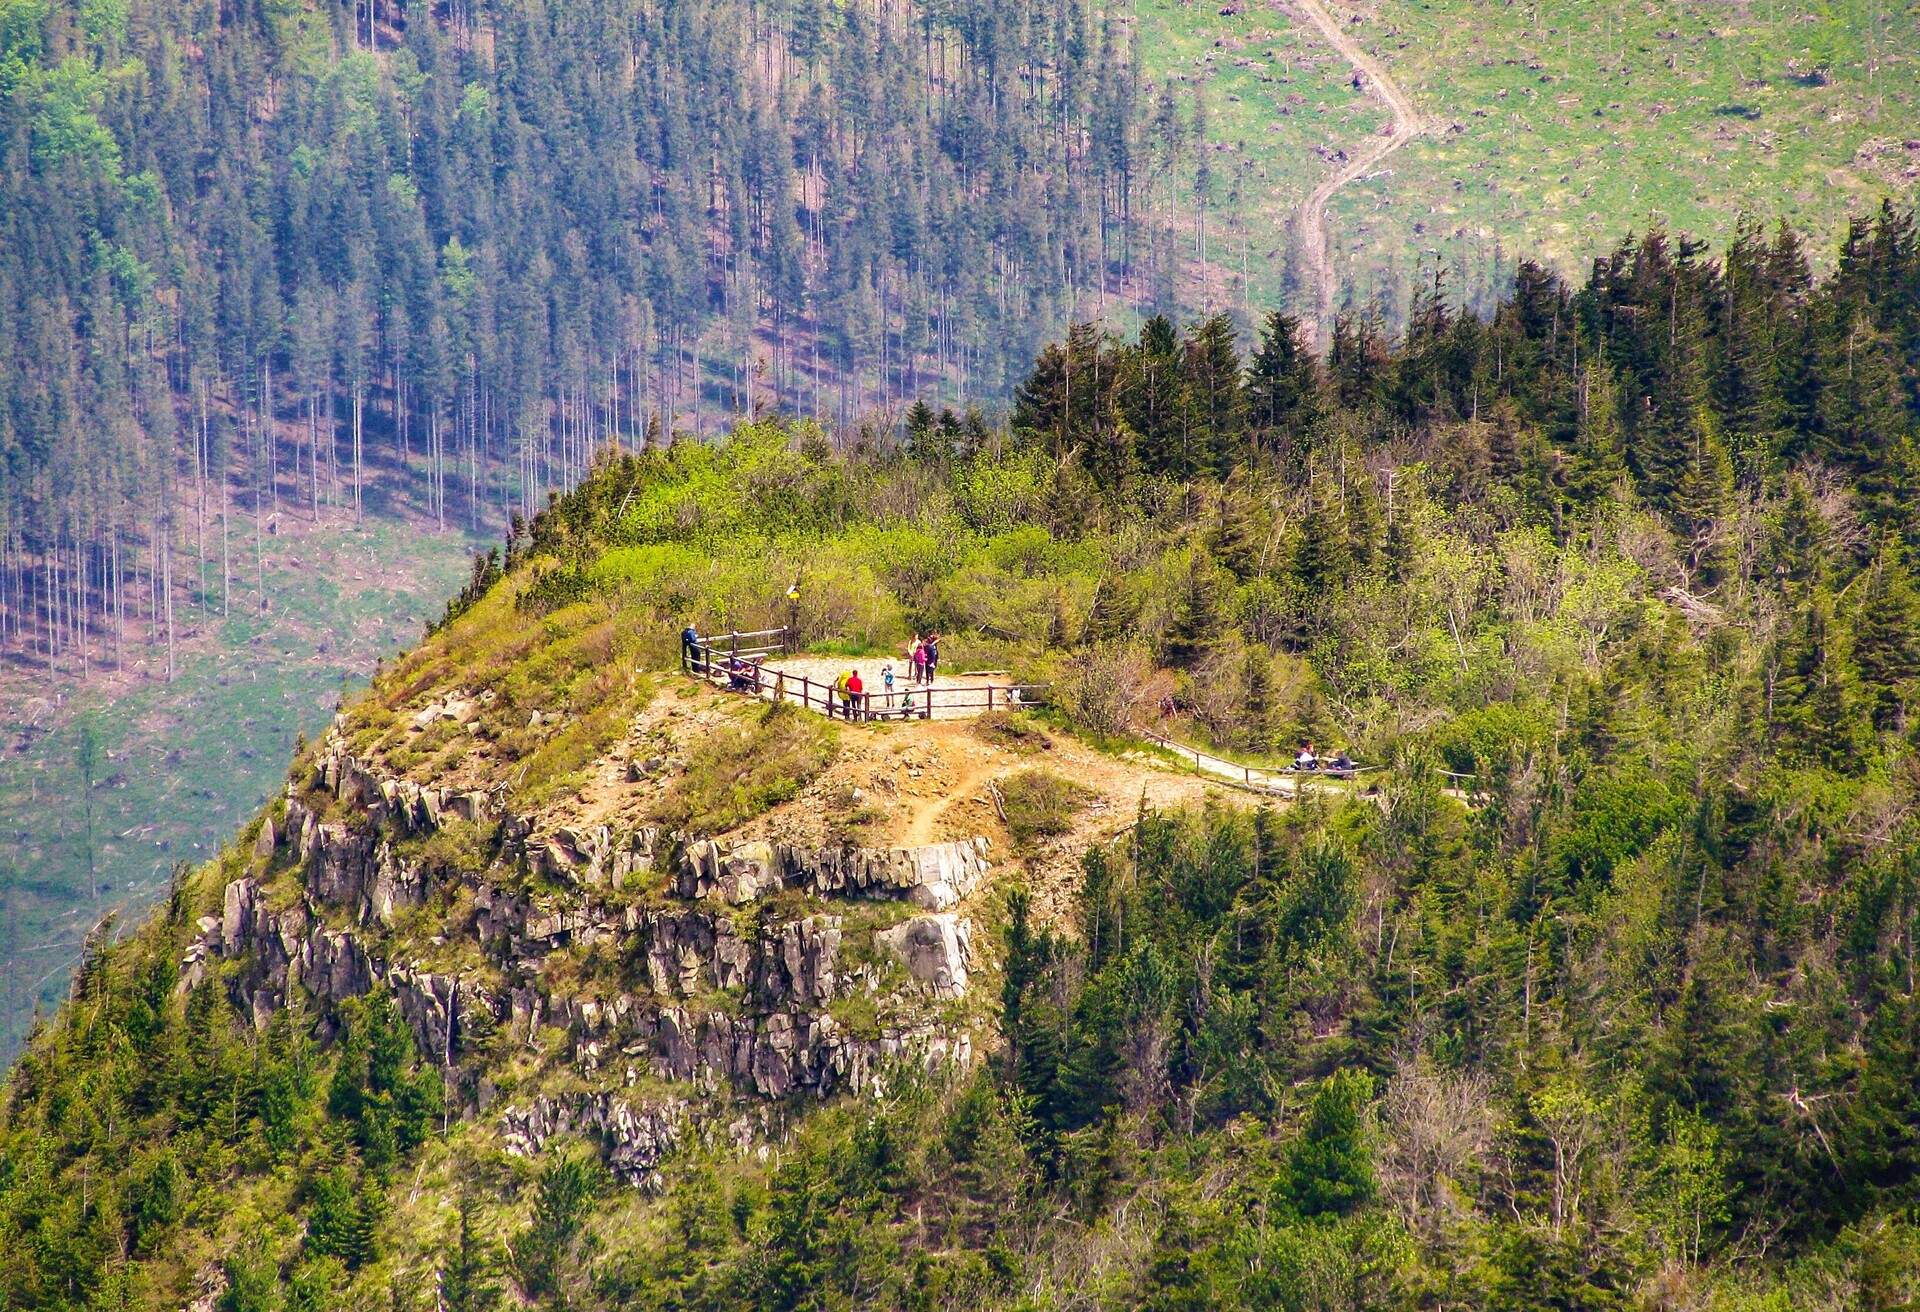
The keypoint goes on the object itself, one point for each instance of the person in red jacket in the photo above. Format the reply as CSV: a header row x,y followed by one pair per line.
x,y
856,702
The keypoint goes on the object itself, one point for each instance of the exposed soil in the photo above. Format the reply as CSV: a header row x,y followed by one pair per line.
x,y
1407,124
894,784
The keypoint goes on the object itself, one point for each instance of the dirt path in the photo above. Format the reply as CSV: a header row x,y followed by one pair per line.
x,y
1407,124
920,830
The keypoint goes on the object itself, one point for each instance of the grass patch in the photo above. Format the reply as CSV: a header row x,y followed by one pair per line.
x,y
1559,127
853,816
747,769
1040,803
1016,731
460,846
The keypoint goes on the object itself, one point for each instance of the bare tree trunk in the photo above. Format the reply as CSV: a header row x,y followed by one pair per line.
x,y
226,549
80,607
201,453
166,557
271,447
359,391
119,607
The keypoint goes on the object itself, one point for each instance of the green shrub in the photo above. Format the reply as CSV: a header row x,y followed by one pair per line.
x,y
1040,803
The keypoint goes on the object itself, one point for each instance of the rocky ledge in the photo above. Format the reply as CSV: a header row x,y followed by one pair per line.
x,y
716,1002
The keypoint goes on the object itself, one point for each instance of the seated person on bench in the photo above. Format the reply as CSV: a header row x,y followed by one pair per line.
x,y
1306,760
1341,766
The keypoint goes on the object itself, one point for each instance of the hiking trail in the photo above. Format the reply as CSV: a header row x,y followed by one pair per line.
x,y
1407,124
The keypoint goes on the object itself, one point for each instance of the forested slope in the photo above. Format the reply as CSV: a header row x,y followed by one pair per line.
x,y
1638,1028
271,270
250,249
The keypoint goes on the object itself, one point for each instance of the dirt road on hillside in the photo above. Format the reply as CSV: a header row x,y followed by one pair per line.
x,y
1407,124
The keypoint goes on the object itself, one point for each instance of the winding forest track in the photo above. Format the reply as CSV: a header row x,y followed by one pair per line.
x,y
1407,124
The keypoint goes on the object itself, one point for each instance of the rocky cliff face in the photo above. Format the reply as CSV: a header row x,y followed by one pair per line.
x,y
716,994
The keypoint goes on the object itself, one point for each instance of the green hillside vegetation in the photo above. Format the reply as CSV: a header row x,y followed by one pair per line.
x,y
1560,126
416,262
408,263
1637,1029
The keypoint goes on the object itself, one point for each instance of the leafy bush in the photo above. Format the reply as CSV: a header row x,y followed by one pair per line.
x,y
1111,687
1040,804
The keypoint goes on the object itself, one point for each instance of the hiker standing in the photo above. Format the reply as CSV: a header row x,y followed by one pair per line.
x,y
856,697
839,694
933,656
690,648
886,684
919,659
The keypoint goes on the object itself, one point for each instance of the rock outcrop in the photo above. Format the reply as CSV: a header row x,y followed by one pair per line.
x,y
635,1138
934,877
934,950
721,1002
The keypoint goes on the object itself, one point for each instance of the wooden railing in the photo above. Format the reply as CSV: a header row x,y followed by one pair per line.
x,y
720,648
1260,777
905,702
737,661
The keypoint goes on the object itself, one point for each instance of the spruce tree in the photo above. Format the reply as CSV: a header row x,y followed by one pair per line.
x,y
1798,541
1329,1168
1886,638
1196,619
1817,706
1701,496
1216,402
1323,558
1599,461
1151,397
1881,1135
467,1281
1283,382
1260,708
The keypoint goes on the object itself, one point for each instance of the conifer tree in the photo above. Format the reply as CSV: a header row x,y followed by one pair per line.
x,y
343,1217
1816,700
1701,495
1196,619
1886,638
1283,383
1599,463
1151,397
1329,1168
1259,708
1882,1133
1216,403
1323,557
1798,547
467,1281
